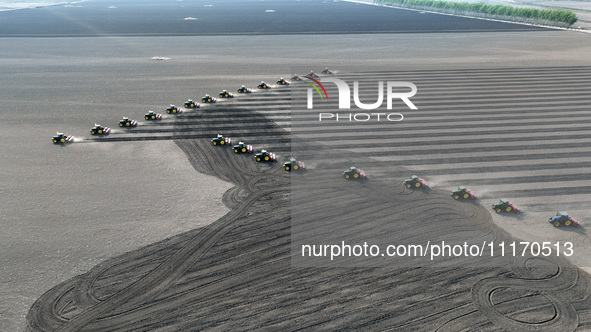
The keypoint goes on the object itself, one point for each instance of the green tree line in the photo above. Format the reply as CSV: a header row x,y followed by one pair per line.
x,y
565,17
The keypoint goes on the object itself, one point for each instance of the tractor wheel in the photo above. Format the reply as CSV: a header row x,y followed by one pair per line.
x,y
146,117
167,112
556,223
466,195
266,158
258,159
214,143
222,142
296,166
347,176
153,117
287,168
100,131
192,105
456,196
63,140
499,210
243,149
128,124
508,209
235,150
356,175
418,184
121,125
54,141
173,111
408,185
568,223
93,132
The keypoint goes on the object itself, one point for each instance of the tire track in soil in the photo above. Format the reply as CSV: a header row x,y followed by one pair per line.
x,y
235,273
565,318
166,273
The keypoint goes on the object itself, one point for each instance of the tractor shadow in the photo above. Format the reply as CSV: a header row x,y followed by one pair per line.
x,y
579,230
425,191
511,215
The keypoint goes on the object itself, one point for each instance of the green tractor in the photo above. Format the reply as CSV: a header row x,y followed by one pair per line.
x,y
265,155
151,116
242,148
100,130
415,182
191,104
263,85
244,89
295,165
173,110
61,138
354,174
463,193
226,94
221,140
207,99
505,206
127,122
282,81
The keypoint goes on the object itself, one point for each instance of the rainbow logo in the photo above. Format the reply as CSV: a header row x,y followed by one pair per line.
x,y
318,90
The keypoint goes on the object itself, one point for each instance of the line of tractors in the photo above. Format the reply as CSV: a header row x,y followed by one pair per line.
x,y
99,130
562,218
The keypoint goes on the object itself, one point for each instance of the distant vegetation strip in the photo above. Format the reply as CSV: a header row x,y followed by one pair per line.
x,y
530,15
